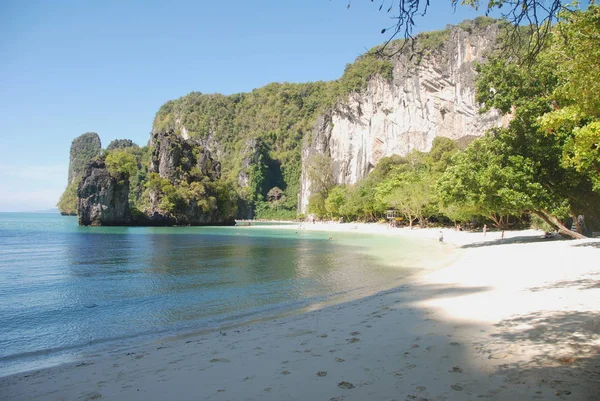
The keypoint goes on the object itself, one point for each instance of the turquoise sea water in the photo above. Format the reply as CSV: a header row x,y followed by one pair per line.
x,y
66,289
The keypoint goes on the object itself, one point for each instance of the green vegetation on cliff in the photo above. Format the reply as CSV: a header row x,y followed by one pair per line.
x,y
275,119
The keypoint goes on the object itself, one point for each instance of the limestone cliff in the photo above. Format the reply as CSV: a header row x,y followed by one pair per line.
x,y
176,182
102,199
83,149
185,189
431,93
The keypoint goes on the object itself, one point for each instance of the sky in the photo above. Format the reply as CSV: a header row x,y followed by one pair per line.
x,y
71,66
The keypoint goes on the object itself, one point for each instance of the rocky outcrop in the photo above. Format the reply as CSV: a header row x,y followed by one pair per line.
x,y
431,94
121,144
103,200
185,163
250,156
173,157
83,149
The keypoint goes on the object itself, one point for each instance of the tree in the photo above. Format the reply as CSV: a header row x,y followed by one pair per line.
x,y
320,173
409,192
490,180
274,194
335,200
575,52
121,161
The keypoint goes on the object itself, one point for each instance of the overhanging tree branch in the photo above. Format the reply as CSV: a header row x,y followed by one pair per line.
x,y
528,20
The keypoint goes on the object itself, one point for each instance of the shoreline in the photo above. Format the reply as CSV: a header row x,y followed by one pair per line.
x,y
54,358
488,319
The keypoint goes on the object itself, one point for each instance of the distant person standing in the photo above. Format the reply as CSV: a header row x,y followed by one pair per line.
x,y
441,239
484,229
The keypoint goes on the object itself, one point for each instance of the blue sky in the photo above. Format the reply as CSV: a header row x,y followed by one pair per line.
x,y
72,66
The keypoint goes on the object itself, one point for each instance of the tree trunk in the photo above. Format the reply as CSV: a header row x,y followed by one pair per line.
x,y
554,222
493,217
576,221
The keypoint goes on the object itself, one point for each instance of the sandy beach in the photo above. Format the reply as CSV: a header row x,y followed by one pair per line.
x,y
511,319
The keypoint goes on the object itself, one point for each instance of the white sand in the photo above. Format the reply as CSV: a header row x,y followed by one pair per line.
x,y
511,320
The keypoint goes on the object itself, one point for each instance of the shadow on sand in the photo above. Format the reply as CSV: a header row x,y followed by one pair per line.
x,y
514,240
567,357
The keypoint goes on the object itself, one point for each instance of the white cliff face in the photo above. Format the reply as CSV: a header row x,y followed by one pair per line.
x,y
434,98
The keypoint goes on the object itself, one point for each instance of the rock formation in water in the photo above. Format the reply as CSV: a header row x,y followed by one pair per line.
x,y
430,94
200,197
84,148
102,198
181,186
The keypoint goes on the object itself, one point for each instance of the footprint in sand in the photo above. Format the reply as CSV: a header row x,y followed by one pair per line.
x,y
456,369
368,326
352,340
286,372
457,387
455,344
340,398
92,396
323,335
355,333
415,346
346,385
267,389
214,360
322,373
339,359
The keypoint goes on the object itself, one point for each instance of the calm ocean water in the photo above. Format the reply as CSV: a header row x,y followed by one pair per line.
x,y
66,289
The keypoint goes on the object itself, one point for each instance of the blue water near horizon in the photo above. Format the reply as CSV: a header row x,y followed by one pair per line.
x,y
65,288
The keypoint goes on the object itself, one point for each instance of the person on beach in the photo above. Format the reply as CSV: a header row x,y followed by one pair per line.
x,y
441,239
484,229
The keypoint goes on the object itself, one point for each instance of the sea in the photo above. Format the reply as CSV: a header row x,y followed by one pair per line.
x,y
67,291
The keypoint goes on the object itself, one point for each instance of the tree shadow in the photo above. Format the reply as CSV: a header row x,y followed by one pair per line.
x,y
565,345
594,244
582,283
513,240
434,291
